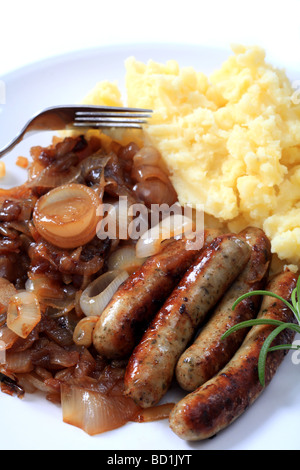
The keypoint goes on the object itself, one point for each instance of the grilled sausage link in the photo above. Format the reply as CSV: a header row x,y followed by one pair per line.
x,y
130,310
209,353
151,366
222,399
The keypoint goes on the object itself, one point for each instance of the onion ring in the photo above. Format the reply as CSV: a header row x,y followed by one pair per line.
x,y
98,293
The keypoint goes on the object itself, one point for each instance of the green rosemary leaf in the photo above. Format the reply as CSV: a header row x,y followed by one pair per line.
x,y
297,296
265,348
294,306
265,292
284,346
294,299
298,289
249,323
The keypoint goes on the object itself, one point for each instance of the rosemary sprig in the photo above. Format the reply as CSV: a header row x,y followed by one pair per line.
x,y
294,305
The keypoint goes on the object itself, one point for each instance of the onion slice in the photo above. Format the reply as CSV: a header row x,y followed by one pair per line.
x,y
67,216
44,287
125,258
7,290
23,313
147,155
146,172
155,413
7,339
172,226
98,293
18,362
94,412
83,332
50,177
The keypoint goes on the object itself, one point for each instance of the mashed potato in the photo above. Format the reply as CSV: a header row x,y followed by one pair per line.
x,y
231,141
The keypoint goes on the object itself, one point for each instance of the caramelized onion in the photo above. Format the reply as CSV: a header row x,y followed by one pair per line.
x,y
43,287
67,216
18,362
51,293
155,191
155,413
125,258
23,313
95,412
145,172
50,177
58,330
153,185
68,265
83,333
171,226
7,290
147,155
33,381
98,293
7,337
92,167
53,355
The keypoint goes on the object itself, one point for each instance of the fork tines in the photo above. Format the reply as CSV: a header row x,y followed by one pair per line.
x,y
118,117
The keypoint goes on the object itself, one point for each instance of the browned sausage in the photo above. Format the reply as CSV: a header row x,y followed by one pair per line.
x,y
222,399
132,307
209,353
151,366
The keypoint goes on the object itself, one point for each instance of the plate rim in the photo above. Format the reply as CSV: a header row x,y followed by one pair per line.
x,y
112,47
77,54
74,54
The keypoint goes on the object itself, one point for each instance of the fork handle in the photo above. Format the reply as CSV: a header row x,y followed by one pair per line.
x,y
41,122
11,145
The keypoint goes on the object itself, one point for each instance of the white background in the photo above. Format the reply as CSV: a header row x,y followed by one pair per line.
x,y
32,30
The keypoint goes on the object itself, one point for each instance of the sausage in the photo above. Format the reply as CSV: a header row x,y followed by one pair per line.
x,y
222,399
151,366
130,310
209,353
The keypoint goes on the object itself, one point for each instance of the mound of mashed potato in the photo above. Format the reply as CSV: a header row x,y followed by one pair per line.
x,y
231,141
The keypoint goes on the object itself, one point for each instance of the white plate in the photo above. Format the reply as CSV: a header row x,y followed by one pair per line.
x,y
34,423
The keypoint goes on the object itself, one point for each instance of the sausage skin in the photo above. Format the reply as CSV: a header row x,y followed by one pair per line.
x,y
222,399
209,353
130,310
151,366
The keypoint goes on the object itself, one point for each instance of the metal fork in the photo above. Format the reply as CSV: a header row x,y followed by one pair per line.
x,y
73,117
